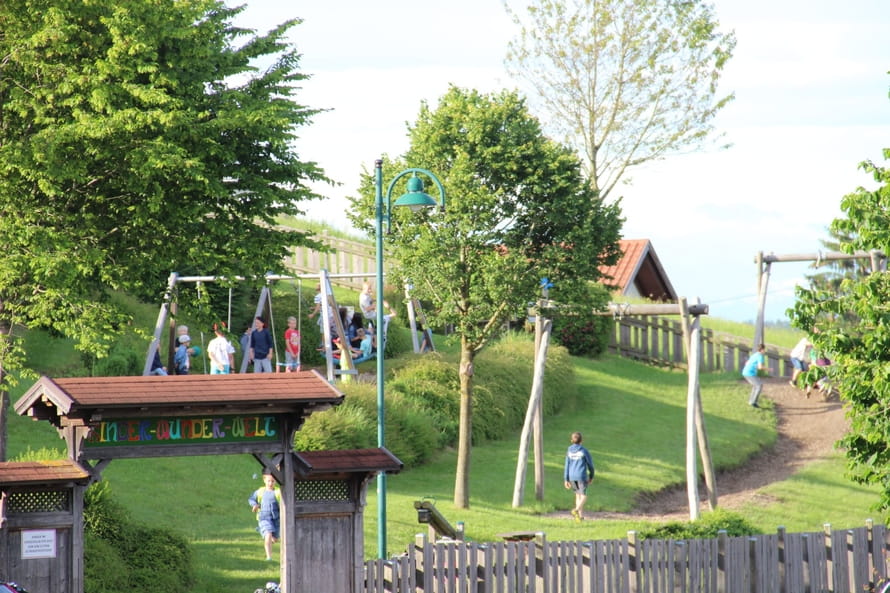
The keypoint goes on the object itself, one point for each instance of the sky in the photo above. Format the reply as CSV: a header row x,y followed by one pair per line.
x,y
811,86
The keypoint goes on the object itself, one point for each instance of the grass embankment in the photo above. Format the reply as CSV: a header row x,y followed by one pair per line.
x,y
633,419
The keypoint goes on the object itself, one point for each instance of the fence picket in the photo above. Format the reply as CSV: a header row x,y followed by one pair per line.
x,y
843,561
660,341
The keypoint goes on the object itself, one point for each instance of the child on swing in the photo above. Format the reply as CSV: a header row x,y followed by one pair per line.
x,y
291,346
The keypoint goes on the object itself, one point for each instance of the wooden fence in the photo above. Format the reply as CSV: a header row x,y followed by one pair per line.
x,y
660,341
652,339
842,561
348,263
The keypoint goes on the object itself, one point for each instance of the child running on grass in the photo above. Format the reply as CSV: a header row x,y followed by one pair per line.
x,y
266,503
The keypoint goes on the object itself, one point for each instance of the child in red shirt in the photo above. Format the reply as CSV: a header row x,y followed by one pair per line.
x,y
291,346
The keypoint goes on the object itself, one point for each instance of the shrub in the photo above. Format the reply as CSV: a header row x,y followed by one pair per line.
x,y
42,454
398,340
431,384
353,425
104,571
348,426
706,527
158,560
423,402
103,516
583,334
579,330
138,559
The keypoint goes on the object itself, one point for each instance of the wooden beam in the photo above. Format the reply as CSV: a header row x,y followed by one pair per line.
x,y
653,309
820,256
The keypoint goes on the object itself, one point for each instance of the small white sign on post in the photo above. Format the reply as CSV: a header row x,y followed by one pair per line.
x,y
39,543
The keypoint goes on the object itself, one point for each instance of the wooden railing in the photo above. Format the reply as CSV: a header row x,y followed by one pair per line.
x,y
660,341
841,561
348,263
652,339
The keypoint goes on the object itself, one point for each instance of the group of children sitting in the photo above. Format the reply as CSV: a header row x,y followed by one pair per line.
x,y
361,339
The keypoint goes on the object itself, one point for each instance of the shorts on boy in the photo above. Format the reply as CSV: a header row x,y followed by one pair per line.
x,y
262,365
579,487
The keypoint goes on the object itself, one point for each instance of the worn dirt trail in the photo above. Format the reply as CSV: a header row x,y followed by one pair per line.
x,y
808,431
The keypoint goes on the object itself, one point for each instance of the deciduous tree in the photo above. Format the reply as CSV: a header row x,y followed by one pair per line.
x,y
518,210
137,138
859,348
625,81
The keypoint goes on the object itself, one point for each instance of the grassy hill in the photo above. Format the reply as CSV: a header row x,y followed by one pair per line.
x,y
633,419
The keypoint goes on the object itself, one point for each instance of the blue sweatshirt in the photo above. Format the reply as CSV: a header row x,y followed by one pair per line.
x,y
579,464
261,342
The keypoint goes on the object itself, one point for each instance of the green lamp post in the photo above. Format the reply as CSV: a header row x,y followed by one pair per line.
x,y
415,199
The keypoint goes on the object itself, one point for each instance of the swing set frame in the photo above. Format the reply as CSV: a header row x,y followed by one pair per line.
x,y
329,315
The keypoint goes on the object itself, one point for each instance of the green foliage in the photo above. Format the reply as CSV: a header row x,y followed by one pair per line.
x,y
430,384
41,454
103,516
138,138
138,558
859,348
509,186
625,81
398,340
422,403
348,426
517,210
580,331
157,559
706,526
104,571
120,363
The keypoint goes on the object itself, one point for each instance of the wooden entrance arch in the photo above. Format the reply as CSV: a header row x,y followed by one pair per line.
x,y
107,418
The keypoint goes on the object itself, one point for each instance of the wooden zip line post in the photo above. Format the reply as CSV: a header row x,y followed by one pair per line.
x,y
533,427
695,425
877,258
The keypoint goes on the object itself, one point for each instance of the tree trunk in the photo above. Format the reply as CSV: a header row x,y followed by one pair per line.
x,y
465,432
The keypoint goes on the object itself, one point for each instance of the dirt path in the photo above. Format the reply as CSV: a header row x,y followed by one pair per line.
x,y
808,431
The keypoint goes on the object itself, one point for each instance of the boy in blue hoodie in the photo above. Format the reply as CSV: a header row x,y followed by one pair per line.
x,y
578,473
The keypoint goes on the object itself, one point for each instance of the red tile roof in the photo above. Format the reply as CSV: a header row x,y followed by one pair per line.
x,y
621,275
350,461
81,396
640,270
22,473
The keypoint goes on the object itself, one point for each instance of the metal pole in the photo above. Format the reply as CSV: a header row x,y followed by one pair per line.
x,y
381,414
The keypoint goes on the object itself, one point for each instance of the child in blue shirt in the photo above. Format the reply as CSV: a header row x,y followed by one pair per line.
x,y
266,503
181,363
579,473
753,366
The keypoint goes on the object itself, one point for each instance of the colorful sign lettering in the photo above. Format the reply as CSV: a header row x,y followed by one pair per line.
x,y
182,431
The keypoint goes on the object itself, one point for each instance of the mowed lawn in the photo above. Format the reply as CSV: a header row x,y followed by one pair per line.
x,y
633,419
